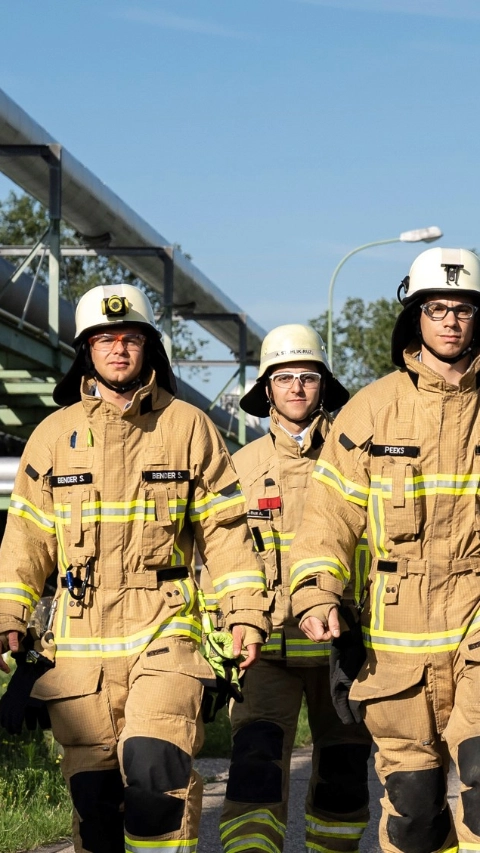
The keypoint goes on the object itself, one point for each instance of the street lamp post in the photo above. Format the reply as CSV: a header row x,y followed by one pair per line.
x,y
425,235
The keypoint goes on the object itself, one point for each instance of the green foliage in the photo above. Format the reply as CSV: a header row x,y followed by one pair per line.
x,y
361,340
23,220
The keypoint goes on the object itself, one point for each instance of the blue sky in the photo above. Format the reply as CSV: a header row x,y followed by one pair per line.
x,y
268,137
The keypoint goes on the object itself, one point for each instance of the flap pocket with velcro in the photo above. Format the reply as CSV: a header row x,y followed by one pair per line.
x,y
393,697
401,501
173,654
67,680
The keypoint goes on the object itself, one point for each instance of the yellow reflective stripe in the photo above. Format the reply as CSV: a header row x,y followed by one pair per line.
x,y
119,511
63,562
215,502
465,847
20,592
362,561
175,845
25,509
249,843
326,473
239,580
69,647
211,602
435,641
303,569
430,485
274,642
377,525
335,829
377,602
273,540
262,816
307,648
186,587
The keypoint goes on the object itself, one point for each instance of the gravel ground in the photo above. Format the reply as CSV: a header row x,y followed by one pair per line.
x,y
214,773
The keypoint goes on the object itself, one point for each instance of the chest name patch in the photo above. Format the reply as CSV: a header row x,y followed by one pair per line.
x,y
394,450
168,476
71,480
259,513
270,503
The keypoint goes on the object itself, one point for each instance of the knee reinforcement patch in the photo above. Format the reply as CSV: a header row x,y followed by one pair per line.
x,y
469,770
254,777
153,767
419,797
98,796
342,786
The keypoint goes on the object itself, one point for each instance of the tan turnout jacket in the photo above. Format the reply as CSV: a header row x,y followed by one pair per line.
x,y
128,491
403,462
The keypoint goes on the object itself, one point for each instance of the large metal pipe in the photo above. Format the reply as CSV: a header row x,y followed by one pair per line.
x,y
14,297
94,210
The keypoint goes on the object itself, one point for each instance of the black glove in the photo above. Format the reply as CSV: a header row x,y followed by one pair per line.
x,y
346,660
215,698
16,705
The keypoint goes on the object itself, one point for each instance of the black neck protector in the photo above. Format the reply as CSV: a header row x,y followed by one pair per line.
x,y
118,387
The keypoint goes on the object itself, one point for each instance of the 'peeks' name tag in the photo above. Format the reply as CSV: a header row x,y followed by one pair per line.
x,y
71,480
169,476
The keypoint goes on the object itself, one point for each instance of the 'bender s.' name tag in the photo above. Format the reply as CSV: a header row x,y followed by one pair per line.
x,y
168,476
71,479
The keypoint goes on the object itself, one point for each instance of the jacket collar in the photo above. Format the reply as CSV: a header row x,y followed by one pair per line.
x,y
149,397
427,379
315,434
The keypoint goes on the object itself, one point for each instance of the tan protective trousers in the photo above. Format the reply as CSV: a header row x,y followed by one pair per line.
x,y
413,760
255,811
128,759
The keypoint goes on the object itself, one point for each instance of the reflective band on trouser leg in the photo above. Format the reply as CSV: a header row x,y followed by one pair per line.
x,y
173,846
258,829
333,835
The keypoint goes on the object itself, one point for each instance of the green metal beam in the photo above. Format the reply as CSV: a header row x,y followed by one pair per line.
x,y
43,389
35,351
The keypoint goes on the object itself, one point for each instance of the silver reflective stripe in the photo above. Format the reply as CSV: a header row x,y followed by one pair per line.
x,y
238,578
339,830
172,846
35,514
348,490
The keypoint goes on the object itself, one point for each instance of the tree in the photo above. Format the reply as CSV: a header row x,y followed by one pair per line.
x,y
361,340
22,222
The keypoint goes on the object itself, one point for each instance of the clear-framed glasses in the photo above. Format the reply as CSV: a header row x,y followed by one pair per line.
x,y
308,379
132,341
438,310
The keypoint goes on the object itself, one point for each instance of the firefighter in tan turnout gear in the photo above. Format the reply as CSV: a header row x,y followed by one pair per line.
x,y
115,488
403,461
296,385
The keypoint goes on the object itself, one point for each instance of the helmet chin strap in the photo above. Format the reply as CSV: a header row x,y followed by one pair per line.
x,y
118,387
448,359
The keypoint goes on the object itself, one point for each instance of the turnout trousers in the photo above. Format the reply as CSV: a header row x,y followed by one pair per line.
x,y
128,758
255,812
413,760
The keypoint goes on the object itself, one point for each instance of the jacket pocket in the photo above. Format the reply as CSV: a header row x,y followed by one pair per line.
x,y
174,654
78,518
401,501
158,534
393,696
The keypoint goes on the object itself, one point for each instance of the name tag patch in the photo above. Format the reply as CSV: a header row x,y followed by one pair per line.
x,y
71,480
169,476
259,513
394,450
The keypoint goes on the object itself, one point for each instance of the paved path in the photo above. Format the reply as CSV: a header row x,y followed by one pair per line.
x,y
214,772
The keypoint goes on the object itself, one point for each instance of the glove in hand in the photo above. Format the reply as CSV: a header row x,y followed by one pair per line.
x,y
16,706
346,660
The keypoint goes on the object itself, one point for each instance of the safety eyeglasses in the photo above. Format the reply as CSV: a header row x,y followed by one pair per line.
x,y
438,310
129,340
286,380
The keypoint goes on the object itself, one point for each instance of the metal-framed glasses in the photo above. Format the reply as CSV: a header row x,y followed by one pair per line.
x,y
307,379
438,310
132,341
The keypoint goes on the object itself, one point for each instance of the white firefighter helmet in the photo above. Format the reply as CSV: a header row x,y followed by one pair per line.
x,y
113,306
286,344
452,273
